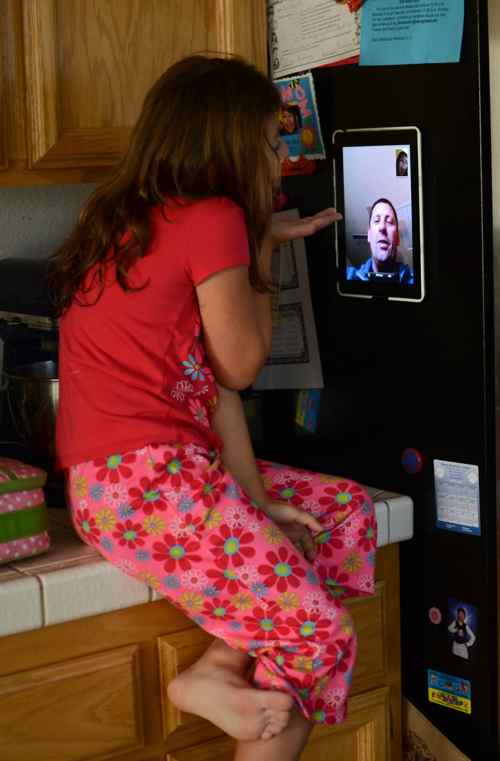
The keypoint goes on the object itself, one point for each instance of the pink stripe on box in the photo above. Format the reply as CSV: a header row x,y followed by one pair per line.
x,y
24,548
20,500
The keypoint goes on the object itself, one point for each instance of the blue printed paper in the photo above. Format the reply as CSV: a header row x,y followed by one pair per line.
x,y
307,410
396,32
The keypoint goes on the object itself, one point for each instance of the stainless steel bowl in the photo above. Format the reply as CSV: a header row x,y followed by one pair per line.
x,y
32,393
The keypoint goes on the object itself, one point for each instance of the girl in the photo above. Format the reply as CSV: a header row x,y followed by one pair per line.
x,y
163,288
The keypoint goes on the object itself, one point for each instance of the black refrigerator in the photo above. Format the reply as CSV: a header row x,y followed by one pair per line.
x,y
416,375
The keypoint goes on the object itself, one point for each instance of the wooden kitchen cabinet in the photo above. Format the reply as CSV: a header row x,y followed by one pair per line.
x,y
3,112
363,737
95,688
75,73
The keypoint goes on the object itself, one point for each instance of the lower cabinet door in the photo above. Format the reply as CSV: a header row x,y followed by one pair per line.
x,y
221,749
77,710
177,652
364,736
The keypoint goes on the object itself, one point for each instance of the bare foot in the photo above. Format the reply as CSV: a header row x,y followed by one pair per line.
x,y
287,746
229,702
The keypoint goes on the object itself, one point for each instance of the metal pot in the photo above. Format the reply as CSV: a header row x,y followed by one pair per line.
x,y
32,393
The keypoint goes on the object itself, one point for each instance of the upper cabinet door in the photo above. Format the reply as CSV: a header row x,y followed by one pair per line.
x,y
89,64
3,105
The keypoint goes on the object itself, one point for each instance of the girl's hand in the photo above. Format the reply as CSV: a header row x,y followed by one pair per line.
x,y
289,229
281,230
296,524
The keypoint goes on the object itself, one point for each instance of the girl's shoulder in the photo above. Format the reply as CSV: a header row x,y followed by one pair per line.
x,y
198,210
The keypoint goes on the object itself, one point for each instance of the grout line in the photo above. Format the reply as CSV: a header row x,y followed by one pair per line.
x,y
27,575
9,567
388,521
43,596
59,565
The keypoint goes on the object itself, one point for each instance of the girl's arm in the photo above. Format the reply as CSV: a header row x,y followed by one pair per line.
x,y
236,320
229,422
236,326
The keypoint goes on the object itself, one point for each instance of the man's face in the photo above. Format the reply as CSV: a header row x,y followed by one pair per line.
x,y
383,235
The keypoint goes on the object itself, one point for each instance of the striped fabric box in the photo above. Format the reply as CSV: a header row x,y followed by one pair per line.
x,y
23,513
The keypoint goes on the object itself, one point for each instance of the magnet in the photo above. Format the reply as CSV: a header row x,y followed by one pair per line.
x,y
435,616
280,201
353,5
449,691
412,461
463,629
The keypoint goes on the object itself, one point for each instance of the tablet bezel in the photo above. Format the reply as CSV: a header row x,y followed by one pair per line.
x,y
408,135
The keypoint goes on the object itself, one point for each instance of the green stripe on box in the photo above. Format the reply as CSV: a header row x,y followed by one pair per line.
x,y
23,523
22,484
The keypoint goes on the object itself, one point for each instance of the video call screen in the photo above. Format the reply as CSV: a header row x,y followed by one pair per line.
x,y
379,247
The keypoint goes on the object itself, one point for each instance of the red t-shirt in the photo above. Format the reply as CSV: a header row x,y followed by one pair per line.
x,y
132,366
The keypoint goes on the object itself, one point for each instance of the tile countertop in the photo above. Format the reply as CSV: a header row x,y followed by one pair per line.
x,y
72,581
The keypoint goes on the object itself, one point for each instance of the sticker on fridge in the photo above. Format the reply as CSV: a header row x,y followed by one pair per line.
x,y
299,121
462,628
449,691
299,124
456,486
307,409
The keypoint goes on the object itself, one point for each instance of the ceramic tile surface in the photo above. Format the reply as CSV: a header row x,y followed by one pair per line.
x,y
20,605
373,492
400,518
7,573
72,581
66,549
382,516
87,590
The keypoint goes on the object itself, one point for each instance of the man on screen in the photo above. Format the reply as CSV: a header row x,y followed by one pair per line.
x,y
383,239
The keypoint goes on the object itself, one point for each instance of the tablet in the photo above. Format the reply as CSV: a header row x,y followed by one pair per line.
x,y
378,190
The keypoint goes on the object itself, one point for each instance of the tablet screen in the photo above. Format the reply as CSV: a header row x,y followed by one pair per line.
x,y
379,241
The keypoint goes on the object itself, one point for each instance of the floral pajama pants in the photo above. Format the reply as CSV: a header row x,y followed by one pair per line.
x,y
172,517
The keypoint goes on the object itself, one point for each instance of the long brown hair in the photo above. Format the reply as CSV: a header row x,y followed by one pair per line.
x,y
201,133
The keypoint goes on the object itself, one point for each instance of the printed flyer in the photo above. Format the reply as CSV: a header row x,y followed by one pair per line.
x,y
299,124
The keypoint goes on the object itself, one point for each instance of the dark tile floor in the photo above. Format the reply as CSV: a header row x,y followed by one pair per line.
x,y
415,748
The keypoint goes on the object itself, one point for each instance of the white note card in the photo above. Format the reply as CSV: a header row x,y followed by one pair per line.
x,y
294,361
456,487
